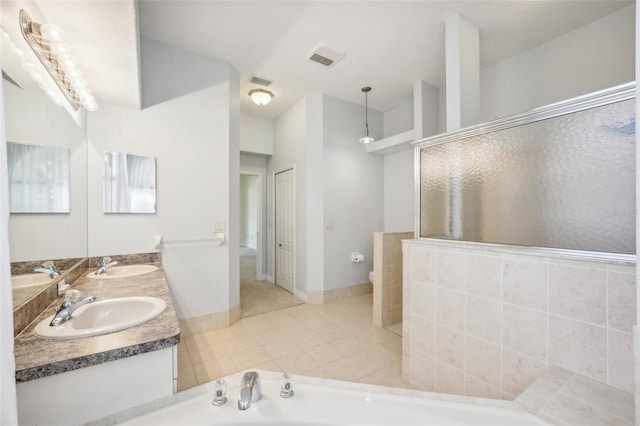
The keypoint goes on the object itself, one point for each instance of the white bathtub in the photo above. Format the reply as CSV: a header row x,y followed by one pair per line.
x,y
324,402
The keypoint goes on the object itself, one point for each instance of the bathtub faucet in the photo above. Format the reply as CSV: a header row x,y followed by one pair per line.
x,y
250,390
106,264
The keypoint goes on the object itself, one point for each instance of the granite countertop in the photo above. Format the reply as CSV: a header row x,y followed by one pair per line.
x,y
38,357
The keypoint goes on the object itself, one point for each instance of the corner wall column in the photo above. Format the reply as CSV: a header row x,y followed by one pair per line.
x,y
462,46
425,110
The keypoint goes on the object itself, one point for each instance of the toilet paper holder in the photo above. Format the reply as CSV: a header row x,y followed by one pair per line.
x,y
357,257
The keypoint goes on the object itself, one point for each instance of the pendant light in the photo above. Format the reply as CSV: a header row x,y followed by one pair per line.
x,y
366,139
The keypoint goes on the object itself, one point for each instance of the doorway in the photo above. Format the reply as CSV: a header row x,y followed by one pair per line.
x,y
251,223
257,296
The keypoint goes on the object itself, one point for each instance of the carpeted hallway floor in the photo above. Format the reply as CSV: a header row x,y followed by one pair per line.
x,y
258,297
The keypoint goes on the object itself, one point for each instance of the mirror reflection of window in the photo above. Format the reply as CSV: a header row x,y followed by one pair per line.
x,y
129,183
38,178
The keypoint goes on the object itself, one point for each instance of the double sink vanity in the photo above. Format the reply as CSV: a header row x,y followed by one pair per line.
x,y
115,353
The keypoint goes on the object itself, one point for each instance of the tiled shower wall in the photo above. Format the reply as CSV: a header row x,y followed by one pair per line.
x,y
485,321
387,277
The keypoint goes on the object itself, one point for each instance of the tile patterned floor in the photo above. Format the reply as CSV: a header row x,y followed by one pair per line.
x,y
335,341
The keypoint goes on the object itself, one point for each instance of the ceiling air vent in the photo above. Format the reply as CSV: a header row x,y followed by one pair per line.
x,y
260,81
325,55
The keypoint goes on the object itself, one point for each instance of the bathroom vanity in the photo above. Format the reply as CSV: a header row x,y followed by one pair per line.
x,y
73,381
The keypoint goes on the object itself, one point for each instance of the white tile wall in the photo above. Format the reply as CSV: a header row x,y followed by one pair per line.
x,y
486,321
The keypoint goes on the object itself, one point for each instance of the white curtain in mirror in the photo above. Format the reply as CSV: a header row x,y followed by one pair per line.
x,y
38,178
129,183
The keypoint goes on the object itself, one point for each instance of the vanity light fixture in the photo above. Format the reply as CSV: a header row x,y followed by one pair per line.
x,y
366,139
47,42
260,96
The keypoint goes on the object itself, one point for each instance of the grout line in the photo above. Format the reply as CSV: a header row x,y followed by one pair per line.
x,y
548,322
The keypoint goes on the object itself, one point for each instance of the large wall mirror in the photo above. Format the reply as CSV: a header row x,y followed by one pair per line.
x,y
129,183
35,239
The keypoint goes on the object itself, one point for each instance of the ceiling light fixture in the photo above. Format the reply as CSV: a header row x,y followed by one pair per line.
x,y
46,41
366,139
260,96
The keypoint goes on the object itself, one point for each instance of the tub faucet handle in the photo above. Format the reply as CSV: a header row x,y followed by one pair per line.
x,y
220,393
286,391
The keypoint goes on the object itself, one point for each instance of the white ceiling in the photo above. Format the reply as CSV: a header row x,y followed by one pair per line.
x,y
388,44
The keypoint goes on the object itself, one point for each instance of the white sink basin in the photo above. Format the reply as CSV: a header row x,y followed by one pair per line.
x,y
29,280
124,271
103,316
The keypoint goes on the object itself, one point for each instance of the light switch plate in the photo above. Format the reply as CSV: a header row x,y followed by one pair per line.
x,y
218,226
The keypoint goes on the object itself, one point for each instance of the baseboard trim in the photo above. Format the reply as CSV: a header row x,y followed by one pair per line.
x,y
207,322
300,295
327,296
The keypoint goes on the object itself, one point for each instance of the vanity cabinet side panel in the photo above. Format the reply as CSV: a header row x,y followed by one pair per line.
x,y
79,396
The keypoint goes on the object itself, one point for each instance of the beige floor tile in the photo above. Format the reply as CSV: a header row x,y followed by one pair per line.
x,y
186,378
319,372
280,349
296,328
255,324
184,360
240,344
350,368
214,369
334,341
270,336
280,318
296,363
269,366
307,340
326,353
372,334
236,330
375,357
206,352
334,331
249,358
390,375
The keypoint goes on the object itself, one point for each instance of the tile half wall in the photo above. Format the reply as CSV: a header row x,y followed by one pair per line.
x,y
485,321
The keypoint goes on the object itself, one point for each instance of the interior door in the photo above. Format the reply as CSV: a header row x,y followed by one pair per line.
x,y
284,229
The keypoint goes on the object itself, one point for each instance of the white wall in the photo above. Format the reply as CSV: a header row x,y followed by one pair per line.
x,y
636,330
594,57
249,192
353,192
192,138
398,119
31,118
254,164
313,220
336,180
8,405
399,206
289,136
256,135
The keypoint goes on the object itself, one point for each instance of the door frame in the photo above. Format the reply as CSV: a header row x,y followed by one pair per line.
x,y
260,276
273,215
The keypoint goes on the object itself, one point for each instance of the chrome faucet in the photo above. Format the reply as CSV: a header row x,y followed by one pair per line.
x,y
48,268
70,304
106,264
250,390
